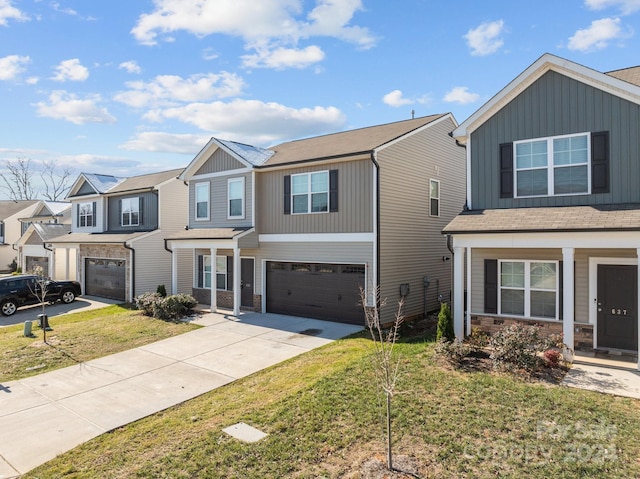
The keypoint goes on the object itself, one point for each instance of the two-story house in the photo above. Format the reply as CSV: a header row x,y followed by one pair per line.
x,y
11,228
551,234
298,228
116,243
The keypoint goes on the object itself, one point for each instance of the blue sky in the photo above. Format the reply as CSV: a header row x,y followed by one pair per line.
x,y
130,87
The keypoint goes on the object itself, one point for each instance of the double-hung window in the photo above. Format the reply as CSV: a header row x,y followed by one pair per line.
x,y
310,192
553,166
235,195
130,211
221,272
85,214
206,271
202,200
529,289
434,197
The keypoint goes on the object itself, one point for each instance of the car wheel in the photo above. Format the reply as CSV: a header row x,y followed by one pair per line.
x,y
68,296
8,307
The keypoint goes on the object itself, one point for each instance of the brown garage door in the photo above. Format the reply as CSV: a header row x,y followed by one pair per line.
x,y
312,290
105,278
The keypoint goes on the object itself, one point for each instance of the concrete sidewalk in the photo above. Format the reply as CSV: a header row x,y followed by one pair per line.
x,y
46,415
606,376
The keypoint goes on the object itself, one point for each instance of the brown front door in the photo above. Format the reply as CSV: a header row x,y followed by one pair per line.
x,y
246,282
618,306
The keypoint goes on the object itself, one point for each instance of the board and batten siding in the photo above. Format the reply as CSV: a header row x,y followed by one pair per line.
x,y
355,201
411,243
218,205
148,213
558,105
219,161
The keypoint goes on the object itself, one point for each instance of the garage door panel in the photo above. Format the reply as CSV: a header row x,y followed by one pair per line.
x,y
105,278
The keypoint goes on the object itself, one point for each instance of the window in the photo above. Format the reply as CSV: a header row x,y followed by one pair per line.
x,y
529,288
202,201
434,197
221,272
206,271
130,211
235,195
552,166
310,192
86,216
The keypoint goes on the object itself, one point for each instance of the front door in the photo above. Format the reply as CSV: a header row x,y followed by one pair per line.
x,y
618,306
246,282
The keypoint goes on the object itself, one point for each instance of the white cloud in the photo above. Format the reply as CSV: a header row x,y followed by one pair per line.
x,y
169,89
396,99
156,141
626,6
11,66
131,66
598,35
486,38
8,11
263,25
71,70
254,121
461,95
281,58
67,106
32,80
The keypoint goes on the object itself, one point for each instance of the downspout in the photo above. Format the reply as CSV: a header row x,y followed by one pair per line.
x,y
376,219
166,247
450,248
133,269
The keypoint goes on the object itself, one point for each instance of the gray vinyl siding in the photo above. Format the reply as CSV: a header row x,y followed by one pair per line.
x,y
411,243
355,201
149,212
557,105
218,207
85,189
219,161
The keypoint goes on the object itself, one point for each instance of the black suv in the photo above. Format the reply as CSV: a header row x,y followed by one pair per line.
x,y
16,291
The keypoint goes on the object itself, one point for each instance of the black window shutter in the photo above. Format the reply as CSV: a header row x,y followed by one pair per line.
x,y
200,271
141,211
287,195
491,286
333,190
121,220
93,213
78,215
506,170
600,162
561,290
229,273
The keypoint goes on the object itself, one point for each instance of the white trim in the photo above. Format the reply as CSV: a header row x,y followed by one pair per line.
x,y
549,239
418,130
468,179
253,197
318,237
469,286
195,200
432,198
244,194
205,153
218,174
374,234
309,193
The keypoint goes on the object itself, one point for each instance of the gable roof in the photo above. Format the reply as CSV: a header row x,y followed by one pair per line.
x,y
48,231
611,83
9,208
252,154
345,143
631,75
147,181
99,183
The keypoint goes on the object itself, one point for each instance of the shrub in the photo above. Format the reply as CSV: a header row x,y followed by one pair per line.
x,y
445,324
161,290
519,347
13,266
453,352
174,307
552,357
478,339
146,302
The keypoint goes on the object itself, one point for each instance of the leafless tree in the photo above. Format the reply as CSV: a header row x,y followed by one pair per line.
x,y
17,179
40,288
56,179
385,361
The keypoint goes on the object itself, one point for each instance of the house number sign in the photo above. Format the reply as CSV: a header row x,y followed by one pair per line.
x,y
619,312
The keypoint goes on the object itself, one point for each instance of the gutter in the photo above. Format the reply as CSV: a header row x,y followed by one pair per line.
x,y
376,247
166,247
133,269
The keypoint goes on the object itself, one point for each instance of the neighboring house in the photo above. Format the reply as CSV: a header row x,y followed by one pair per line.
x,y
116,244
11,228
298,228
552,232
48,220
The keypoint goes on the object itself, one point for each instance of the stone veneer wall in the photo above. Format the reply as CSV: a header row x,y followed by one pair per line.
x,y
583,333
105,251
225,299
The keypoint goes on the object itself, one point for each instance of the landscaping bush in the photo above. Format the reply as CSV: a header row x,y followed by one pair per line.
x,y
146,302
445,324
452,352
478,339
520,346
161,290
174,307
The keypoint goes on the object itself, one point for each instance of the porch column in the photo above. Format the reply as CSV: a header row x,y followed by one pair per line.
x,y
568,285
638,314
458,292
468,297
236,281
66,263
214,297
174,272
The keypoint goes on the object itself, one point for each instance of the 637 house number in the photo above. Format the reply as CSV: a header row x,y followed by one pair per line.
x,y
619,312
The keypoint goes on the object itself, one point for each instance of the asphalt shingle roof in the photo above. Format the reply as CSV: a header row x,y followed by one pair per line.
x,y
142,182
630,75
9,207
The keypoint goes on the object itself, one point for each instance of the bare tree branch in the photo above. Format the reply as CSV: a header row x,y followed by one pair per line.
x,y
57,180
16,180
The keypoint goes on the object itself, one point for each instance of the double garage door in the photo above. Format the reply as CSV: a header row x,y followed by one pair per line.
x,y
316,290
105,278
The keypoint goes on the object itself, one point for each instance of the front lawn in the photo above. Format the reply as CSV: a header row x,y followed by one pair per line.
x,y
325,420
79,337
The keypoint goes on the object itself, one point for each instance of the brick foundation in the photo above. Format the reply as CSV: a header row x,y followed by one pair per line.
x,y
225,299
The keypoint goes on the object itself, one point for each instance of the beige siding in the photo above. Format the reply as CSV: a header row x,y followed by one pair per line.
x,y
173,206
62,256
153,263
411,243
219,161
185,270
355,200
12,233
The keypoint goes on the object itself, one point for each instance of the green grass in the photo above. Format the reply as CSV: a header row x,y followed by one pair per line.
x,y
79,337
324,418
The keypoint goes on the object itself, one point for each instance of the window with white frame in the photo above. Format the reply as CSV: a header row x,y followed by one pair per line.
x,y
130,211
202,200
529,289
85,214
206,271
434,197
235,195
221,272
310,192
552,166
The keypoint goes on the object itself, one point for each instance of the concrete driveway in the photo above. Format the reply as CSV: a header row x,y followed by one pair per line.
x,y
83,303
